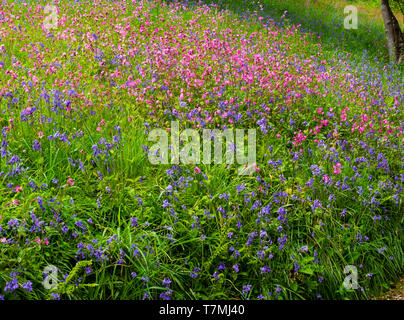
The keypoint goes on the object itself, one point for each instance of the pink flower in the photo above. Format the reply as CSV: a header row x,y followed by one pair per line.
x,y
257,169
70,182
197,170
38,240
40,134
299,138
98,129
46,242
337,168
3,240
35,80
17,189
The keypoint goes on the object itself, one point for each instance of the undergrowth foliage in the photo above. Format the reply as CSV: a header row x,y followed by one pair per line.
x,y
78,192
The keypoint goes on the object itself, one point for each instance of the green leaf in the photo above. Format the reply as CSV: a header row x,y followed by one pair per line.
x,y
307,270
307,260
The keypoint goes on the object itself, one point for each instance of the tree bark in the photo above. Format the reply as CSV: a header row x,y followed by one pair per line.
x,y
394,35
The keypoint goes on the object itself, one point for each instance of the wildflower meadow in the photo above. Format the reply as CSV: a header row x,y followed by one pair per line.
x,y
89,209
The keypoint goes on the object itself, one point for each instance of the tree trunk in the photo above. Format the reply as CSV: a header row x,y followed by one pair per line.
x,y
394,36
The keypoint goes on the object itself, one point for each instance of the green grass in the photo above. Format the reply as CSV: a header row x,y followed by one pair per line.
x,y
121,184
325,19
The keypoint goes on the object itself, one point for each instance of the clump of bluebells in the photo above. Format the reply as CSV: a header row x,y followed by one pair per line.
x,y
77,105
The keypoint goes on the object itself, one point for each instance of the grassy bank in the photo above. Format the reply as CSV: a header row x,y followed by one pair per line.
x,y
78,190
